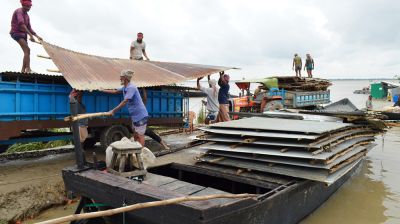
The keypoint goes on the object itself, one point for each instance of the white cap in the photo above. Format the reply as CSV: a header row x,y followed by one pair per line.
x,y
212,82
127,73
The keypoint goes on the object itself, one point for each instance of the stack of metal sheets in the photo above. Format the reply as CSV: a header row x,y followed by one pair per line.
x,y
314,150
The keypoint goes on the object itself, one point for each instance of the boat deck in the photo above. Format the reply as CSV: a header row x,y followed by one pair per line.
x,y
281,199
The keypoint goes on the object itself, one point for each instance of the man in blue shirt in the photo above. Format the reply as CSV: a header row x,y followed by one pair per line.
x,y
223,97
133,101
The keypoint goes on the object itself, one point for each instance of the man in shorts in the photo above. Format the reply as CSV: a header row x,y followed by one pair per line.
x,y
212,99
297,64
133,101
21,29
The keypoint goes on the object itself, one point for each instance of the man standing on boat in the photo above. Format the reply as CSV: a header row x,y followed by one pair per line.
x,y
20,29
133,100
212,99
223,97
297,64
138,48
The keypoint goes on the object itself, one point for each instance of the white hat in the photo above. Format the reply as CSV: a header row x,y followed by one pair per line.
x,y
127,73
212,82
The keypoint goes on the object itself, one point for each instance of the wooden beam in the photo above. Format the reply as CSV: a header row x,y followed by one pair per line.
x,y
53,70
43,56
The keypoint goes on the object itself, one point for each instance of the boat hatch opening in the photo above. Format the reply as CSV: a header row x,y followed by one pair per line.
x,y
214,181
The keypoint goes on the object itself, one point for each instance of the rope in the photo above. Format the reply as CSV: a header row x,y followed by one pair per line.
x,y
95,205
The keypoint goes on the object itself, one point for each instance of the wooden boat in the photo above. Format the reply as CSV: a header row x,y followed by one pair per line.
x,y
281,199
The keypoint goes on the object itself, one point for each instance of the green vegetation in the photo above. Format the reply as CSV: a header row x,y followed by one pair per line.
x,y
201,116
34,146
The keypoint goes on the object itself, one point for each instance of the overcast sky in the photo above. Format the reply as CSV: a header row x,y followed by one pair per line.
x,y
347,38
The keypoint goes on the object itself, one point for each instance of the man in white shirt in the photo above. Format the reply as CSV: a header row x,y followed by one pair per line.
x,y
138,48
212,99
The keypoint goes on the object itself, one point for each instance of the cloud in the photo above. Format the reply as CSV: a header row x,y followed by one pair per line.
x,y
354,38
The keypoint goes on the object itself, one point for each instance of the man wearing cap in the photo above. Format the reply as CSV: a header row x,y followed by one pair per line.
x,y
20,29
133,101
212,99
138,48
223,97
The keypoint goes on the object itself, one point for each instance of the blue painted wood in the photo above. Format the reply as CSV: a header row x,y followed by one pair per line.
x,y
38,101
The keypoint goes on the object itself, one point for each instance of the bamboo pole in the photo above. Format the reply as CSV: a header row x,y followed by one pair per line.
x,y
43,56
84,116
38,42
53,70
141,206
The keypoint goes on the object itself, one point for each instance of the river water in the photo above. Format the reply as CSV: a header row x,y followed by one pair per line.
x,y
371,196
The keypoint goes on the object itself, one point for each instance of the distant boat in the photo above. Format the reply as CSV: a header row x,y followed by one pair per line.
x,y
365,90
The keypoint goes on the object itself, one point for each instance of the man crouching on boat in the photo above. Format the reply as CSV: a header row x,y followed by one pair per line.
x,y
133,100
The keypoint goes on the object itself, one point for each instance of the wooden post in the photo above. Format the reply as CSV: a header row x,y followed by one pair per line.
x,y
79,156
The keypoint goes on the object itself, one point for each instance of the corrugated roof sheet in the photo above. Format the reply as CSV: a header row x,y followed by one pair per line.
x,y
12,75
23,74
89,72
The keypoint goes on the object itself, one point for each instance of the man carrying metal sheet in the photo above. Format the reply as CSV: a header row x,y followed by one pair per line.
x,y
20,29
223,97
138,48
133,100
212,99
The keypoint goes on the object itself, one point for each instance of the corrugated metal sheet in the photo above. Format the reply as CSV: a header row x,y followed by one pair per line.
x,y
13,73
89,72
343,105
271,142
294,162
301,154
263,134
293,171
282,125
307,117
329,141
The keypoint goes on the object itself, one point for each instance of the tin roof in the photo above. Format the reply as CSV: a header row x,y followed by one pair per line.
x,y
13,76
90,72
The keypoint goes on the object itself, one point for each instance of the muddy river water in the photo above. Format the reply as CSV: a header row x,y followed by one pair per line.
x,y
371,196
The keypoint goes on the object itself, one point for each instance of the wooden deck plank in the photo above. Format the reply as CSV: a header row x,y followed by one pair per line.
x,y
157,180
215,202
189,189
106,178
174,185
131,192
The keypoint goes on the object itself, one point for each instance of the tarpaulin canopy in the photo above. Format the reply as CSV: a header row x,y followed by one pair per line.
x,y
90,72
